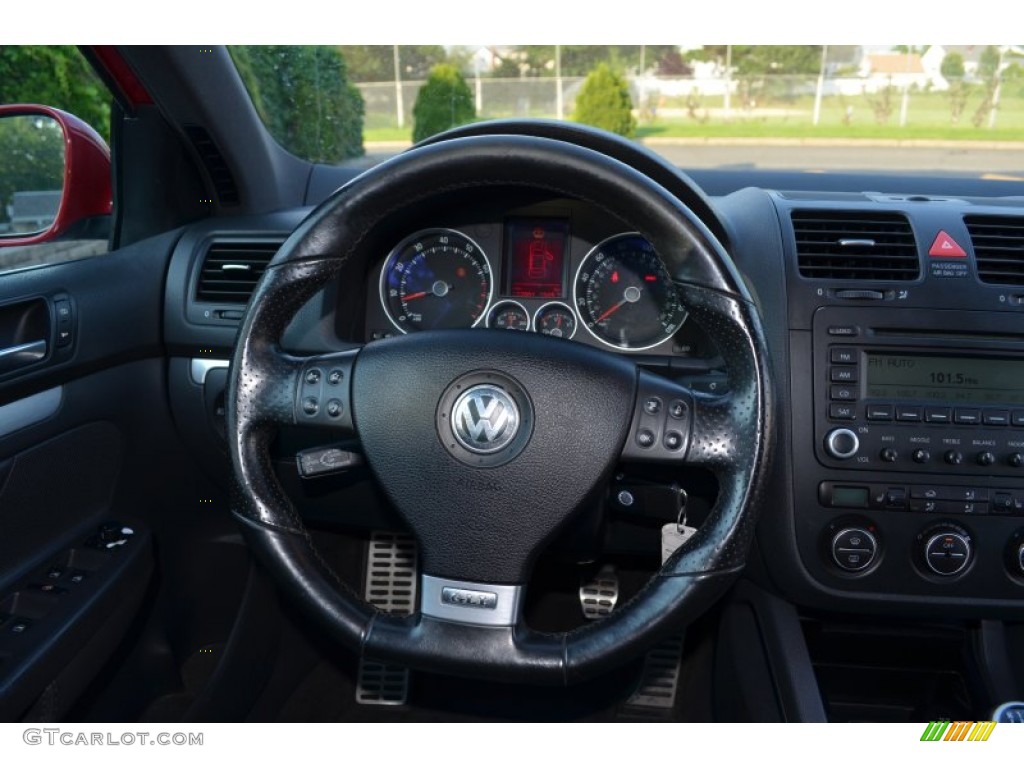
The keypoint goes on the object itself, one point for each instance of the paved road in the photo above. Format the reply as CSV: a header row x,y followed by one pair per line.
x,y
980,160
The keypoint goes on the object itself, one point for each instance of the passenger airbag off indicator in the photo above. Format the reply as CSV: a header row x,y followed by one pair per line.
x,y
945,247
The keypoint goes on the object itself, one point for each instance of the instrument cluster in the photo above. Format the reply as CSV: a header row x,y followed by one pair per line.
x,y
564,275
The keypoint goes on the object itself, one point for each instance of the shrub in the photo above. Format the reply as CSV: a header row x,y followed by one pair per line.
x,y
604,102
443,102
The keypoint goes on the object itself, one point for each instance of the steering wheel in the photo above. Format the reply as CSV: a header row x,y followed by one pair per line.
x,y
487,443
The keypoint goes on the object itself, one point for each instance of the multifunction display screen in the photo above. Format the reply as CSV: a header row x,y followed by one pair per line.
x,y
957,379
535,258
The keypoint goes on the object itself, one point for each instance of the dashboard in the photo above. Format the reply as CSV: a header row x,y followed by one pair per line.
x,y
896,328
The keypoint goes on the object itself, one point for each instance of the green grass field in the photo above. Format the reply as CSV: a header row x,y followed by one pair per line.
x,y
928,118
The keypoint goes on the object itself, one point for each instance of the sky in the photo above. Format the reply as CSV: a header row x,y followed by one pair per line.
x,y
463,22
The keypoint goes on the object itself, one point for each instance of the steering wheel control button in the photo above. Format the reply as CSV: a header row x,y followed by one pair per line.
x,y
854,549
677,409
322,399
947,551
673,441
326,461
645,438
842,443
652,406
484,419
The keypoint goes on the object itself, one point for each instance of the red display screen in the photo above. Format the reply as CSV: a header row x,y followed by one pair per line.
x,y
535,258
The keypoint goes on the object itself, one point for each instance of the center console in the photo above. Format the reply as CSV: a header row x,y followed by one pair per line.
x,y
908,434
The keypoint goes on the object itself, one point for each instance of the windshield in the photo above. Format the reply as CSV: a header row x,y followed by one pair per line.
x,y
931,108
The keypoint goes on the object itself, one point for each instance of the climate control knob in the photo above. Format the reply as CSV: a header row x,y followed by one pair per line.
x,y
947,550
854,549
842,443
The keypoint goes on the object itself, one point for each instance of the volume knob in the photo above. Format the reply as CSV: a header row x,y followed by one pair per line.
x,y
842,443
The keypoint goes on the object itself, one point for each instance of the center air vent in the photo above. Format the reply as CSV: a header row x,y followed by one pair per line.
x,y
231,270
998,248
855,245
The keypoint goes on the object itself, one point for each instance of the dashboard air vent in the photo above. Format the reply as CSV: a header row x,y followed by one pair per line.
x,y
998,247
855,245
215,164
231,270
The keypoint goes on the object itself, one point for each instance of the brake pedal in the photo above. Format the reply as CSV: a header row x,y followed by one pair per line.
x,y
599,596
390,586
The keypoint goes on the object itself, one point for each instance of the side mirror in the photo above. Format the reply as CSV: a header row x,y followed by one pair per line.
x,y
54,174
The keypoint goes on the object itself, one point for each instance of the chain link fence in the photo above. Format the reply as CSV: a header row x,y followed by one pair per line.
x,y
766,101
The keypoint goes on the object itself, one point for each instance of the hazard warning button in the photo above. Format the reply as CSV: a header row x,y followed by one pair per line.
x,y
946,247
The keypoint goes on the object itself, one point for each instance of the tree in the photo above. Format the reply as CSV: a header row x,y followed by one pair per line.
x,y
767,59
604,102
952,66
303,95
443,102
31,157
57,76
376,63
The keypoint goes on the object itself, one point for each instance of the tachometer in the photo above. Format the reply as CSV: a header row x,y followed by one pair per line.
x,y
624,296
437,278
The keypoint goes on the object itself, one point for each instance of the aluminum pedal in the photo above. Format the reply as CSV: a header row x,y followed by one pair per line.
x,y
390,586
659,682
599,596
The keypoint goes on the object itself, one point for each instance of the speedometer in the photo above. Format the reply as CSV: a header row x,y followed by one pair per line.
x,y
437,278
624,296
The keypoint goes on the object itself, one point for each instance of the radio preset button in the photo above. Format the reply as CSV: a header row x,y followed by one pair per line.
x,y
841,392
908,413
996,418
1017,418
879,412
937,415
842,443
846,355
968,416
842,411
845,374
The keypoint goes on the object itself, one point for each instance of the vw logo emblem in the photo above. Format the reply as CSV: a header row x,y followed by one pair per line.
x,y
485,419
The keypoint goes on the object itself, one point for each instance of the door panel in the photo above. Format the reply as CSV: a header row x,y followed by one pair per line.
x,y
86,439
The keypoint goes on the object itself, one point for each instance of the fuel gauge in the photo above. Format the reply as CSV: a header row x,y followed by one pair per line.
x,y
555,319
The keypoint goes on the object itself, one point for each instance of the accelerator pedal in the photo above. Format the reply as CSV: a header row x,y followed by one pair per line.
x,y
390,586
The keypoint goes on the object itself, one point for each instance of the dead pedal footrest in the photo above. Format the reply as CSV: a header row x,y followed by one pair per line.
x,y
390,586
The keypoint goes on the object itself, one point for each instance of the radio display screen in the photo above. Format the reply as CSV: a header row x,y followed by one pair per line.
x,y
955,379
535,258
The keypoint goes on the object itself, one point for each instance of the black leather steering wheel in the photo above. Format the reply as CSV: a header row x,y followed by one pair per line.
x,y
568,413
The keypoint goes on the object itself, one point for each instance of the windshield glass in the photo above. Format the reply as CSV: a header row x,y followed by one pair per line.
x,y
929,108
